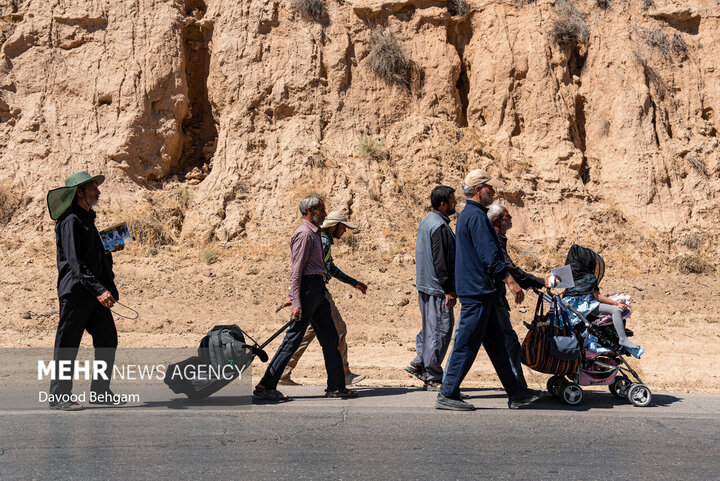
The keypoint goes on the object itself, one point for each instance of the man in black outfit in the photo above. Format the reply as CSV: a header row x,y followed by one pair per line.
x,y
86,287
502,222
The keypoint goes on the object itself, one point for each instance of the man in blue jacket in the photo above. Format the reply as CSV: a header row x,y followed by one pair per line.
x,y
479,271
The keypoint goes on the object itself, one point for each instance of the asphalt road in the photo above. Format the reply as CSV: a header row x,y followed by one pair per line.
x,y
387,433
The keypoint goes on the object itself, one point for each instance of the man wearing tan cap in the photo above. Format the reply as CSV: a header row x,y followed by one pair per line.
x,y
334,227
479,270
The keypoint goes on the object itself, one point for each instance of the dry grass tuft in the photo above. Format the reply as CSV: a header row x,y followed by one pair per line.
x,y
158,221
658,40
603,4
209,255
370,147
694,264
569,27
387,59
678,45
458,8
313,9
697,163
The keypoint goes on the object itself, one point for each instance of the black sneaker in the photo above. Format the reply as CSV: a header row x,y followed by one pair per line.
x,y
524,397
107,398
67,406
417,371
443,402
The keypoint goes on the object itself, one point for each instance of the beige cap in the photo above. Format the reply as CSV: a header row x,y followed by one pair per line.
x,y
480,176
337,217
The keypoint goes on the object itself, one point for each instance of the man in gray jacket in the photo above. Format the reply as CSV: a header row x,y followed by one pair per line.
x,y
435,282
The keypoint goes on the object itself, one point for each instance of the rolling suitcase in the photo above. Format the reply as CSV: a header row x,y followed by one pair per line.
x,y
222,356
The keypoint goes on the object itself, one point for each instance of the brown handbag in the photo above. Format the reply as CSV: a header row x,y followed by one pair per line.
x,y
535,349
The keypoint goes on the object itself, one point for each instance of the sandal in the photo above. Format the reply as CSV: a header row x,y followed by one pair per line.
x,y
266,394
67,406
343,393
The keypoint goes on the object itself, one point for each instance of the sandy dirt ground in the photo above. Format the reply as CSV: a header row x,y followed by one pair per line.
x,y
180,296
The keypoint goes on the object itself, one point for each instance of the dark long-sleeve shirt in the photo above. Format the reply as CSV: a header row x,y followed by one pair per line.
x,y
333,270
524,279
83,265
442,256
306,257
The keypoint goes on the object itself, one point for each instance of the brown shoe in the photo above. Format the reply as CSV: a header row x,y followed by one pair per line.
x,y
286,381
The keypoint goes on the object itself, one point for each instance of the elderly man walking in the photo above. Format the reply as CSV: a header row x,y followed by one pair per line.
x,y
334,227
309,307
479,268
502,222
86,287
435,283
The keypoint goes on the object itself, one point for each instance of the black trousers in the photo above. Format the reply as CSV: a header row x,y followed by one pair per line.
x,y
315,312
79,313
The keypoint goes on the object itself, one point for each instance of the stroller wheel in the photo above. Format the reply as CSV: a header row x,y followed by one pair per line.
x,y
619,387
554,384
571,393
639,395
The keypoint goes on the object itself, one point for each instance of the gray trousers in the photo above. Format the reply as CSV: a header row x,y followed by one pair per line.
x,y
433,340
512,344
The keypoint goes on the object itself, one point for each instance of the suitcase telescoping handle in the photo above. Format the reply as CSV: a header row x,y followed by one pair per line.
x,y
279,331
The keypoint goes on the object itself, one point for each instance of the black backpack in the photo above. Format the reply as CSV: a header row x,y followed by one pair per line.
x,y
222,345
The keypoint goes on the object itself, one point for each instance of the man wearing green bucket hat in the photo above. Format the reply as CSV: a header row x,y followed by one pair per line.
x,y
86,287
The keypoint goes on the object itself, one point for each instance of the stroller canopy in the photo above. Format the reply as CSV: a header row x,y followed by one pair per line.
x,y
588,269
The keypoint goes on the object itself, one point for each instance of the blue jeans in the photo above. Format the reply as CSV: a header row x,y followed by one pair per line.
x,y
478,325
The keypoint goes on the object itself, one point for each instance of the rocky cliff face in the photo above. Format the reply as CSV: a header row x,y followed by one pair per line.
x,y
601,114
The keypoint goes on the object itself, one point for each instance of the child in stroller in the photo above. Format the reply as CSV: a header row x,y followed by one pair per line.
x,y
601,361
588,269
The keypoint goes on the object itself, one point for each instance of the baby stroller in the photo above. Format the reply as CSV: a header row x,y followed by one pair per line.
x,y
601,367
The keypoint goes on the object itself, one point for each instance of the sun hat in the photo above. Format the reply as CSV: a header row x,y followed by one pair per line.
x,y
480,176
60,199
337,217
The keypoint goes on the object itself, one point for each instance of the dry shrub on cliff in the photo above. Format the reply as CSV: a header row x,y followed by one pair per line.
x,y
209,255
458,8
678,45
569,28
658,40
694,264
158,221
386,58
696,163
371,147
315,9
604,4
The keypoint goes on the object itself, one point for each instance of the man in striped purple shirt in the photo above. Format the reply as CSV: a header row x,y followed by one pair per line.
x,y
309,307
